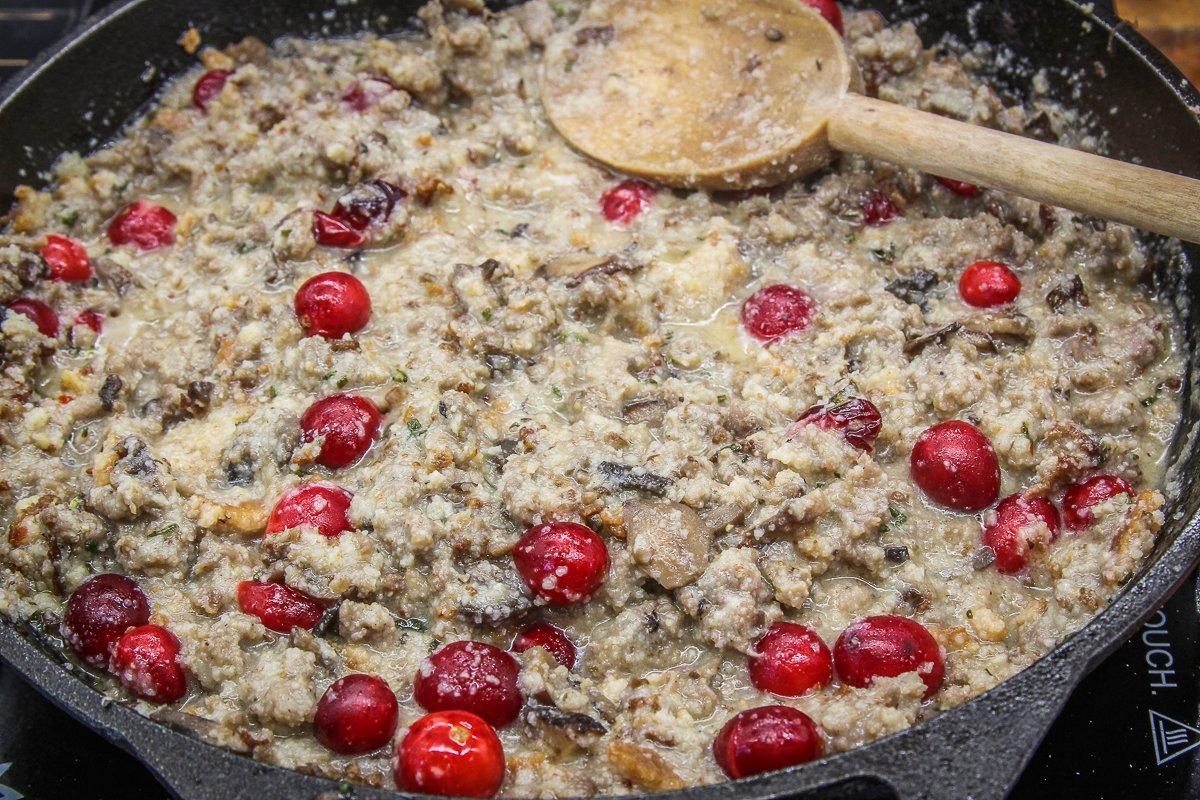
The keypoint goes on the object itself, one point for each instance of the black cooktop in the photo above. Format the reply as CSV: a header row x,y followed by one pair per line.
x,y
1130,730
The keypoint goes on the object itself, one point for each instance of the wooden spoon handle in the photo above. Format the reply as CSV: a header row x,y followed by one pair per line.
x,y
1059,176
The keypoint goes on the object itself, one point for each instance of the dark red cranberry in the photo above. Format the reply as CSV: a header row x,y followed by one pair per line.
x,y
765,739
320,505
878,208
329,231
99,611
1081,498
348,424
988,283
42,315
887,646
830,11
146,661
624,202
66,259
1008,532
356,715
470,676
561,562
369,203
91,318
332,304
858,420
450,753
960,188
790,660
278,606
548,638
145,225
208,87
955,466
777,310
366,93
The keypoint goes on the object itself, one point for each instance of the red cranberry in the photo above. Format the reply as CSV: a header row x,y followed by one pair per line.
x,y
1008,532
960,188
320,505
146,661
858,420
955,466
369,203
348,424
548,638
988,283
470,676
42,315
878,208
1081,498
765,739
561,562
624,202
777,310
329,231
99,611
356,715
790,660
208,87
332,304
830,11
91,318
366,93
280,607
66,259
887,646
450,753
145,225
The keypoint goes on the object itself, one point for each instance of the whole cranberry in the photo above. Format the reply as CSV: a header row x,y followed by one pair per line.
x,y
367,92
1081,498
790,660
101,609
765,739
549,638
777,310
878,208
145,225
561,562
887,646
332,304
278,606
66,259
146,661
91,318
42,315
329,231
988,283
960,188
450,753
626,201
1010,531
319,505
208,86
858,420
356,715
830,11
955,466
348,423
470,676
368,203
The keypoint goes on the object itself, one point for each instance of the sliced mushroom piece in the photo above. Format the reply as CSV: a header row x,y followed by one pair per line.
x,y
649,410
623,476
578,267
668,540
642,767
580,729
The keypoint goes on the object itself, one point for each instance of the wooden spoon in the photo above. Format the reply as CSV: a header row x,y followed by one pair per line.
x,y
736,94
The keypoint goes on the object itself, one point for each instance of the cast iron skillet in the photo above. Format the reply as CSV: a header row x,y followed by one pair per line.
x,y
78,95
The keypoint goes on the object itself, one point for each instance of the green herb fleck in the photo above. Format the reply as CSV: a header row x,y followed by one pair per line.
x,y
169,528
557,392
560,10
1152,399
92,547
415,429
1025,430
487,315
69,217
400,376
272,392
244,247
342,381
412,624
885,254
328,375
76,502
970,614
851,214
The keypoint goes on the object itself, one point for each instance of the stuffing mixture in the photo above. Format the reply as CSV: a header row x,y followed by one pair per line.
x,y
353,420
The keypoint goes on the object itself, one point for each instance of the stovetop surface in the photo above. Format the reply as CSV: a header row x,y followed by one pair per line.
x,y
1130,730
